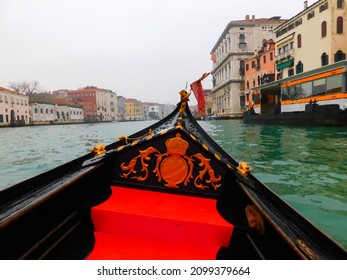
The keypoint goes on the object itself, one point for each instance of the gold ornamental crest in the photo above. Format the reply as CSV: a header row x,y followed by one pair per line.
x,y
173,166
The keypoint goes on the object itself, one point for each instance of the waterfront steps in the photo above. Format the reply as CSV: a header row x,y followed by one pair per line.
x,y
139,224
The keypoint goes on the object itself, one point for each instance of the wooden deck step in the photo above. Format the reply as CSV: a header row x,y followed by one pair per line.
x,y
159,218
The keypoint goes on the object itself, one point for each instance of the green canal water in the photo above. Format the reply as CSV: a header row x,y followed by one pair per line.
x,y
307,167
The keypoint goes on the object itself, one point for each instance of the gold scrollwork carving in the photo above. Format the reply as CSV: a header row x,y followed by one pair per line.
x,y
174,166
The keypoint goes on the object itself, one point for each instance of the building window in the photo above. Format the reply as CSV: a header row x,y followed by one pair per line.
x,y
334,84
319,87
298,22
339,55
339,25
264,59
324,59
324,29
323,7
271,56
285,48
242,67
299,40
242,42
310,15
291,72
299,67
339,4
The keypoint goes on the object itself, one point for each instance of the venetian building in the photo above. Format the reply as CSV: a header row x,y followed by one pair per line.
x,y
311,39
235,45
44,113
14,108
133,110
259,70
121,108
98,104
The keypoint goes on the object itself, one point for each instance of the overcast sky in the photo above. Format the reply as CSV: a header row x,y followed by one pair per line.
x,y
144,49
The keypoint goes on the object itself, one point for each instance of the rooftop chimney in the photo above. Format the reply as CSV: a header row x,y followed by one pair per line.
x,y
253,17
305,5
247,17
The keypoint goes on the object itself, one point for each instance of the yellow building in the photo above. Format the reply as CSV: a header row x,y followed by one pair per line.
x,y
311,66
133,110
311,39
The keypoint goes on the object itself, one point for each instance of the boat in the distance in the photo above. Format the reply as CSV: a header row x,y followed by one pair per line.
x,y
168,191
316,97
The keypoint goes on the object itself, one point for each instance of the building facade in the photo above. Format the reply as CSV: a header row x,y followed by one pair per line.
x,y
310,61
259,70
14,108
236,45
43,113
133,110
121,108
98,104
311,39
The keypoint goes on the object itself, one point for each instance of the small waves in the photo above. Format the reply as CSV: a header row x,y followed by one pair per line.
x,y
307,167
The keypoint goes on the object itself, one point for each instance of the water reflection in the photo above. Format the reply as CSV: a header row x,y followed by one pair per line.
x,y
307,167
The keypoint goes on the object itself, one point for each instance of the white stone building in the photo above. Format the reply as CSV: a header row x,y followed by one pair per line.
x,y
43,113
238,42
14,108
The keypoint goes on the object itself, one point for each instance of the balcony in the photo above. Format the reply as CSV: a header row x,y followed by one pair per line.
x,y
285,55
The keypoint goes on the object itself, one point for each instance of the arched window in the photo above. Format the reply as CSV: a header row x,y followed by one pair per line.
x,y
299,67
339,55
324,29
299,41
242,42
325,59
339,25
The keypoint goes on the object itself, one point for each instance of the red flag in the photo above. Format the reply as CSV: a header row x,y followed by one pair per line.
x,y
199,95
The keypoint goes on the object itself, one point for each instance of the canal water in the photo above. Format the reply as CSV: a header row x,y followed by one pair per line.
x,y
307,167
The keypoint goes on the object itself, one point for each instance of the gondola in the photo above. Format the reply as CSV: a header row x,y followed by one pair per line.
x,y
168,192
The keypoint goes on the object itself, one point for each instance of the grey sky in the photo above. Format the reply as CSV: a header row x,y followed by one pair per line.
x,y
144,49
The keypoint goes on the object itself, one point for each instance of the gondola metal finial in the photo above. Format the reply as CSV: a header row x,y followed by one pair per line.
x,y
184,99
98,149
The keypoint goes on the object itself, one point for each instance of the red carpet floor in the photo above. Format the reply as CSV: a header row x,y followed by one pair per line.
x,y
143,225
